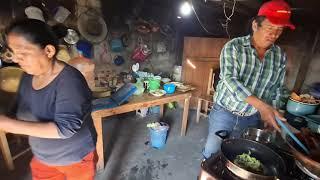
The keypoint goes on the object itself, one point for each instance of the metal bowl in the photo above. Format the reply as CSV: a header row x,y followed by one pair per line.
x,y
259,135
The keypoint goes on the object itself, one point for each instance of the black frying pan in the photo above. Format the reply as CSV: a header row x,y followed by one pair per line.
x,y
273,165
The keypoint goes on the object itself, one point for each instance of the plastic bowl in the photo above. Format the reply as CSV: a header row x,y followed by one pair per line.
x,y
300,109
169,88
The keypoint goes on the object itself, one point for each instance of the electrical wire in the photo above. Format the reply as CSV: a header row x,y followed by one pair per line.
x,y
202,25
228,18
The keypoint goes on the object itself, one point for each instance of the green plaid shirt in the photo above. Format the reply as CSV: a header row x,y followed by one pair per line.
x,y
242,74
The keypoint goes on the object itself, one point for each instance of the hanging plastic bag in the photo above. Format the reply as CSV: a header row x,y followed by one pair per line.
x,y
141,52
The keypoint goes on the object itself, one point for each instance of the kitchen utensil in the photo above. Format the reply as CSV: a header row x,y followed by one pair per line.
x,y
270,138
306,171
312,117
10,78
140,87
299,108
288,131
307,162
154,84
169,88
273,164
158,92
314,125
61,14
135,67
259,135
100,92
33,12
72,37
92,26
165,80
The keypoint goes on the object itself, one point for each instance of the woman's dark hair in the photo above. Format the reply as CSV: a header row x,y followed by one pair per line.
x,y
34,31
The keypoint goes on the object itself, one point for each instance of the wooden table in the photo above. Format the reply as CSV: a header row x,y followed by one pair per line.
x,y
135,103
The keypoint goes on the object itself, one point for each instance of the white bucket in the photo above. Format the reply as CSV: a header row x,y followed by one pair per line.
x,y
61,14
142,112
34,13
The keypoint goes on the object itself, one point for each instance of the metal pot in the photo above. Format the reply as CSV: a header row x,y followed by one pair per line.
x,y
268,137
259,135
311,165
273,165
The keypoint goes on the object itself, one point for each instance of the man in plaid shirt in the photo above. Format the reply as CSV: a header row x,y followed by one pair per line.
x,y
251,77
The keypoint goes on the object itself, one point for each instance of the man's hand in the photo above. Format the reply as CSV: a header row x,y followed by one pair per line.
x,y
267,112
268,115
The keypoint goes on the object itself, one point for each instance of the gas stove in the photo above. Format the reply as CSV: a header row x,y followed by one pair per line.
x,y
214,169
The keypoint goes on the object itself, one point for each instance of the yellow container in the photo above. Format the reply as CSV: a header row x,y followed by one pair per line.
x,y
10,78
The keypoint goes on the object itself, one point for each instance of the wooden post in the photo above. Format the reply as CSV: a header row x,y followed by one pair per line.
x,y
304,66
161,110
185,116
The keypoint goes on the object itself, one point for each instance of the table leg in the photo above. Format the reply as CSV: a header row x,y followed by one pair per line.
x,y
198,110
185,116
161,110
99,147
6,151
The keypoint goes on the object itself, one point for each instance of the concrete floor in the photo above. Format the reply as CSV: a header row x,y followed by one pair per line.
x,y
132,158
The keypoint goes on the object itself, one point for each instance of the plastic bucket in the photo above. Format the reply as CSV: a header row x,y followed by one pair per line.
x,y
158,137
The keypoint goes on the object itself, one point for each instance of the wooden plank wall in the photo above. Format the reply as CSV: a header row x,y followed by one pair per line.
x,y
204,54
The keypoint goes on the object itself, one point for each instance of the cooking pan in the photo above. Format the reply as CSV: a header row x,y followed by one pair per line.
x,y
273,165
311,165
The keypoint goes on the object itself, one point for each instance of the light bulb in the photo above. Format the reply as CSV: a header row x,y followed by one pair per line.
x,y
185,8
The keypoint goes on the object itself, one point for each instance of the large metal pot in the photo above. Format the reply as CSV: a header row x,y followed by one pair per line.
x,y
273,165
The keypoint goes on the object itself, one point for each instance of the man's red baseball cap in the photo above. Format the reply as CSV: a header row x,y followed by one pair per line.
x,y
277,12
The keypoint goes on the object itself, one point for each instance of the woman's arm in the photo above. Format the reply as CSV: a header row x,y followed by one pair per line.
x,y
36,129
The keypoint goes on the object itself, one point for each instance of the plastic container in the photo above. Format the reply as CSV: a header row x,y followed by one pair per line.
x,y
85,48
10,79
177,70
169,88
116,45
154,84
158,136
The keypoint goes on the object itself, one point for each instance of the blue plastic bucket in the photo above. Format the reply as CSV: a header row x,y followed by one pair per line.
x,y
158,137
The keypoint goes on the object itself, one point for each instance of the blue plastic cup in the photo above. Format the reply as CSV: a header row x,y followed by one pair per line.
x,y
158,137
